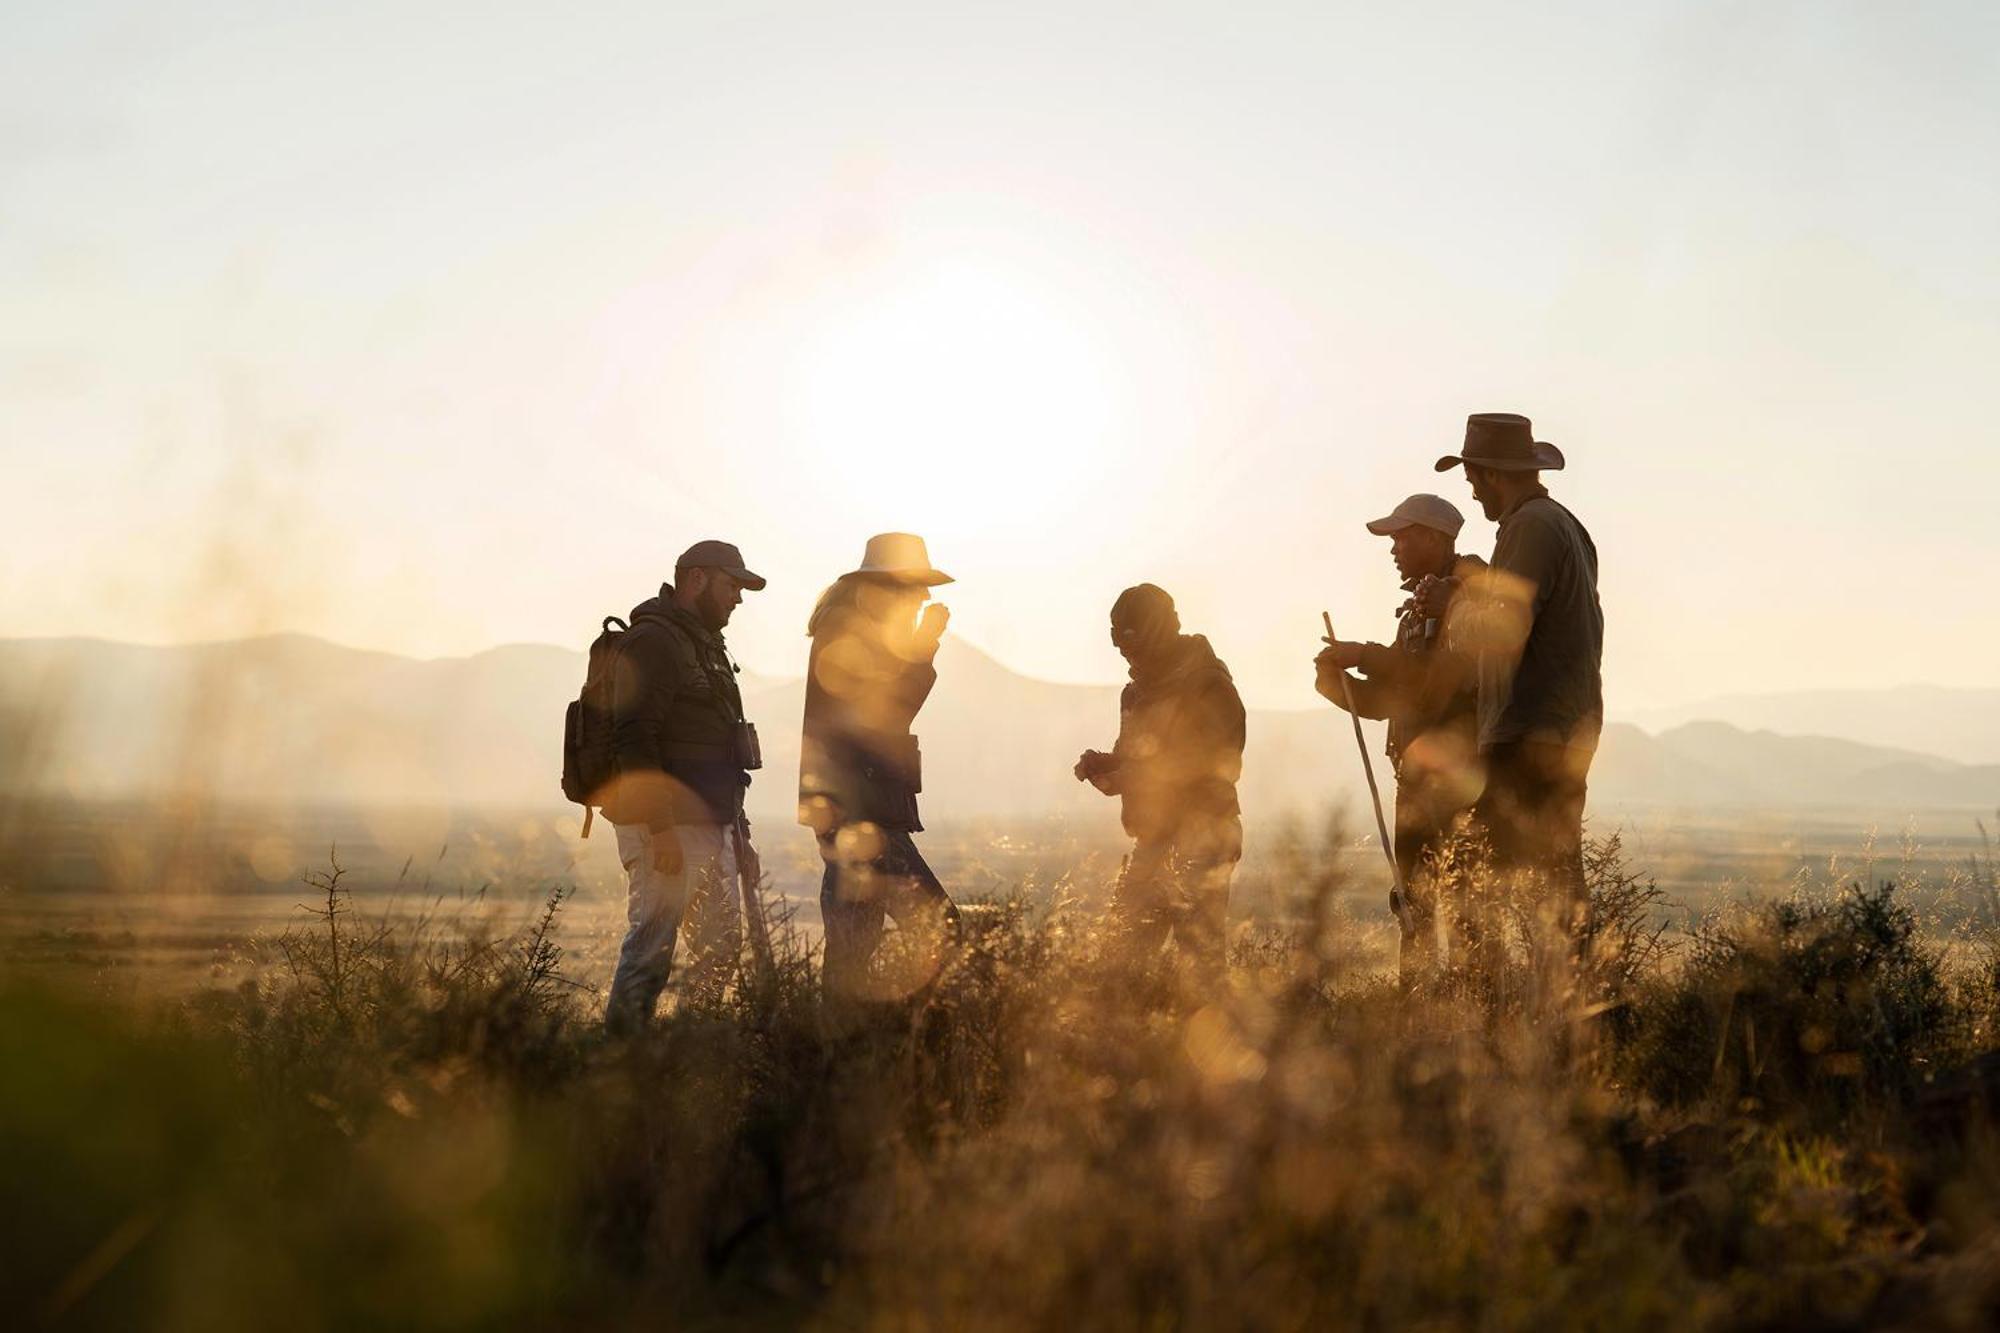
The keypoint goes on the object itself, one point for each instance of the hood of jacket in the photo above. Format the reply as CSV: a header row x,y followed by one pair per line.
x,y
1188,657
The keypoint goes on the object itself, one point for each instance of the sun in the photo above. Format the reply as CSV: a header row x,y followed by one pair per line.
x,y
958,399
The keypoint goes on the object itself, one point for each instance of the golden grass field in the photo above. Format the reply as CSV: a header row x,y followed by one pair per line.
x,y
392,1107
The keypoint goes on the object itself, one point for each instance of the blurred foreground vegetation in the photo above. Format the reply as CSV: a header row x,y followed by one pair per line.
x,y
1785,1118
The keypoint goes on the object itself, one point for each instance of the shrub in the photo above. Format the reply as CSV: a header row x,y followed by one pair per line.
x,y
1807,1004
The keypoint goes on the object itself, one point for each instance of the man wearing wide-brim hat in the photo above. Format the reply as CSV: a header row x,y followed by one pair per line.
x,y
871,667
1533,624
1427,694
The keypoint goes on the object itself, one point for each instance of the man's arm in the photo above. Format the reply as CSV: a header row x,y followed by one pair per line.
x,y
1102,770
1390,678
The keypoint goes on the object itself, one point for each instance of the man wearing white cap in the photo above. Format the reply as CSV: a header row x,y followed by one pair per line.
x,y
1427,693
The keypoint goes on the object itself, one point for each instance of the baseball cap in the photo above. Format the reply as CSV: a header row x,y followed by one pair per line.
x,y
1427,511
723,556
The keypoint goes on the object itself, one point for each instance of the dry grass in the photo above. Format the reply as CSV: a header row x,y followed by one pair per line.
x,y
414,1126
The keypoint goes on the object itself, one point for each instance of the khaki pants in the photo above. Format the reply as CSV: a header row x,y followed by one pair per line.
x,y
703,894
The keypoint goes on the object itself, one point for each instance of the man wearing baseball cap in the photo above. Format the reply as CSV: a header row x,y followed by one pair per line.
x,y
1535,626
683,753
1427,694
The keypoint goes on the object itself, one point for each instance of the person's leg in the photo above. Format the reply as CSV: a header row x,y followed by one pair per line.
x,y
910,883
1206,857
1564,789
851,913
1417,843
1142,902
1410,840
714,916
1505,811
654,903
924,913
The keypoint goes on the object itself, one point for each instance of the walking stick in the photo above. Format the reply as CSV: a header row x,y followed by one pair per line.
x,y
1374,794
749,878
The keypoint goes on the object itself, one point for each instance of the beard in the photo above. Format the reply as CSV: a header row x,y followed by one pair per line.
x,y
711,610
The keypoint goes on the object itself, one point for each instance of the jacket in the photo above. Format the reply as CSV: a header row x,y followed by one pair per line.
x,y
1425,689
1180,742
677,719
858,757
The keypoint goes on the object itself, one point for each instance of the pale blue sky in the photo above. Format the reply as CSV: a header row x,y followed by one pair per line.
x,y
427,331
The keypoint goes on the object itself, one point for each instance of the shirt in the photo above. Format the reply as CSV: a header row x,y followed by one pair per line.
x,y
1536,631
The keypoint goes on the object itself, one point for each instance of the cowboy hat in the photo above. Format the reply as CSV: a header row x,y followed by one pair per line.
x,y
1504,442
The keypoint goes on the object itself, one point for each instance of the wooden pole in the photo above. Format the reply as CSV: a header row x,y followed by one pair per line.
x,y
1374,793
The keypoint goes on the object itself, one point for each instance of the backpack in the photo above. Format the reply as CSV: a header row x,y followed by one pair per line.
x,y
589,756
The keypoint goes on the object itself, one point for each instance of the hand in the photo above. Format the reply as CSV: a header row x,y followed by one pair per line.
x,y
1338,656
1433,595
1090,764
667,852
930,625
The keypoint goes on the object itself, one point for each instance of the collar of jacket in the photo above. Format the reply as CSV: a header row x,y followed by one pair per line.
x,y
663,608
692,623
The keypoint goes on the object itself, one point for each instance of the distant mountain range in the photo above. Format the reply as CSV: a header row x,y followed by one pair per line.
x,y
292,718
1960,724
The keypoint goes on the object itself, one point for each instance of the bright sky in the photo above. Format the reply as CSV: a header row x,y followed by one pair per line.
x,y
429,332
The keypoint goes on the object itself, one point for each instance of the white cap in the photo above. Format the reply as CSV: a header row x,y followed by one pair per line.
x,y
1426,511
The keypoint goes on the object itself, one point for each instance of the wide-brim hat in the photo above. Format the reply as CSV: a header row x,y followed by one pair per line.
x,y
900,557
1504,442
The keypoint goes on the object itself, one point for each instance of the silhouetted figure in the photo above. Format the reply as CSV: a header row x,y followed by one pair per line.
x,y
1428,694
870,670
1534,625
683,755
1174,769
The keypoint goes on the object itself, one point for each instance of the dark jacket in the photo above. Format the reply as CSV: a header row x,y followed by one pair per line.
x,y
1180,742
676,713
1427,692
857,758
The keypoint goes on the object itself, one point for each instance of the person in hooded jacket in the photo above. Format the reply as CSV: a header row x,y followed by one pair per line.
x,y
874,641
683,754
1174,769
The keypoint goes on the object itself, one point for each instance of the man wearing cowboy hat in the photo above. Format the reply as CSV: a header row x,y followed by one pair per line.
x,y
683,755
1426,692
869,672
1534,625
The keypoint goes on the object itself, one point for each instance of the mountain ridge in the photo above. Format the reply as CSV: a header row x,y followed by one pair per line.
x,y
305,718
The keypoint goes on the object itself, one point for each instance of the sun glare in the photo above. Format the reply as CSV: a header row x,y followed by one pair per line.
x,y
960,400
